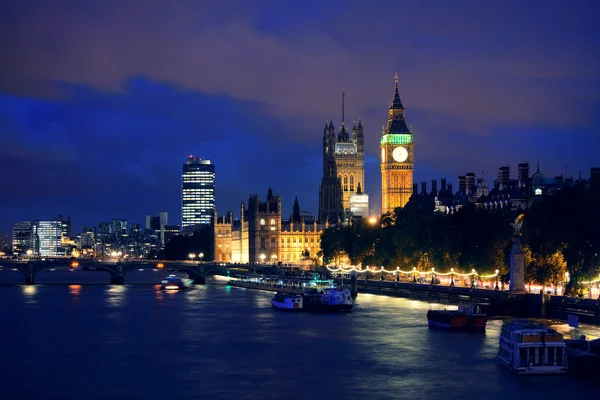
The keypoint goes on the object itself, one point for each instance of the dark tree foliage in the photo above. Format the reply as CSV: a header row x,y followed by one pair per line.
x,y
415,236
561,233
568,221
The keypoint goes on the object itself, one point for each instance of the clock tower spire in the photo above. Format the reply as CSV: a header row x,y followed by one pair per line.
x,y
397,162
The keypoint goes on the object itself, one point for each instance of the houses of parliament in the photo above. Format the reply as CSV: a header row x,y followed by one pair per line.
x,y
260,234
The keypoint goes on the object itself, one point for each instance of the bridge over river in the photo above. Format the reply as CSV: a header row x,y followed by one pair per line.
x,y
118,269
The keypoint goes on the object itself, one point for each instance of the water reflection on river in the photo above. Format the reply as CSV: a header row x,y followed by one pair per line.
x,y
84,341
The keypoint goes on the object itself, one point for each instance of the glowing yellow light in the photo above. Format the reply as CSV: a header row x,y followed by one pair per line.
x,y
160,265
171,287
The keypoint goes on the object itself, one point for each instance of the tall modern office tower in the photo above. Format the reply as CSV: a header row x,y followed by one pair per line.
x,y
49,235
23,237
397,157
197,193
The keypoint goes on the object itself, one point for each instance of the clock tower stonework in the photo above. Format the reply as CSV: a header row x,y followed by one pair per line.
x,y
397,157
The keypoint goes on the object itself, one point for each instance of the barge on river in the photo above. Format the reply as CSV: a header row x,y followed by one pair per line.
x,y
466,317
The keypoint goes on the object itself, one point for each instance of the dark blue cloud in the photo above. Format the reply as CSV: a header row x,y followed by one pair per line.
x,y
100,103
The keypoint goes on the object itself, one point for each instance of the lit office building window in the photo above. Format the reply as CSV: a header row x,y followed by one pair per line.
x,y
50,238
198,192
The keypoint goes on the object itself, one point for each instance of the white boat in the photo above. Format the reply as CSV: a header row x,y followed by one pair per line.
x,y
173,282
531,349
287,302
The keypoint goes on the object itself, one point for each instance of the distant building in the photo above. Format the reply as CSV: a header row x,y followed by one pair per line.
x,y
168,231
3,241
118,227
87,239
42,238
198,193
503,177
50,238
158,223
359,204
260,235
523,175
65,226
24,237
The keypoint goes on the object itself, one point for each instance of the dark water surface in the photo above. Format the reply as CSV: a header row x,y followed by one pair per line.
x,y
215,342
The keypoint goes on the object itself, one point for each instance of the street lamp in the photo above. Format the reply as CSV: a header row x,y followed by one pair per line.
x,y
29,253
262,258
414,274
496,288
432,276
192,256
451,276
273,258
201,256
473,272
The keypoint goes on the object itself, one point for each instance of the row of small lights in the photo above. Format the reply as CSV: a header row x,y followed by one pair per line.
x,y
414,271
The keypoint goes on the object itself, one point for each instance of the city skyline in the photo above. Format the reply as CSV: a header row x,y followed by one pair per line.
x,y
105,143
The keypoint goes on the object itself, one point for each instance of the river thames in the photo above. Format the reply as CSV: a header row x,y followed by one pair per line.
x,y
97,341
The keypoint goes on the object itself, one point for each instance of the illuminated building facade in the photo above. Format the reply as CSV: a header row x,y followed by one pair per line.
x,y
397,157
223,240
359,204
49,237
198,193
343,168
260,235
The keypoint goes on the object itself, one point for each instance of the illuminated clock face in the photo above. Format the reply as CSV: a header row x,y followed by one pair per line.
x,y
400,154
382,155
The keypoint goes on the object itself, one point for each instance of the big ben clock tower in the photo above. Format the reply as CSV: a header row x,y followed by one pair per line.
x,y
397,158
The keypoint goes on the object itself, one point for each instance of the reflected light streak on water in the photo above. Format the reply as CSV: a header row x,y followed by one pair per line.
x,y
29,294
115,295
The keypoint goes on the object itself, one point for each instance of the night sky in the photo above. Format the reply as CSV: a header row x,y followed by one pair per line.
x,y
102,101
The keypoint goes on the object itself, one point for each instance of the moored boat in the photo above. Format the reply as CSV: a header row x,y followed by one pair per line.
x,y
464,318
532,349
287,302
173,282
328,300
583,356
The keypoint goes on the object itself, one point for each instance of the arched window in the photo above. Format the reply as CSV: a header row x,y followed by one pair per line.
x,y
345,184
352,183
272,222
262,222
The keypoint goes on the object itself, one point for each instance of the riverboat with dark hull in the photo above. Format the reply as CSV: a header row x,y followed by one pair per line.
x,y
531,349
583,356
328,300
465,318
287,302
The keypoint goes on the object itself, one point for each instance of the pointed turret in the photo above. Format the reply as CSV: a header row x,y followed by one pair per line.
x,y
296,211
396,123
396,102
360,137
270,194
